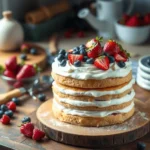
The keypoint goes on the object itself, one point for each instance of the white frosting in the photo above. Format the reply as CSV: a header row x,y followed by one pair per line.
x,y
88,71
90,113
94,93
111,102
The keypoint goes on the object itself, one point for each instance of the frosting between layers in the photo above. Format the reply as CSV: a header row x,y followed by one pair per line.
x,y
89,71
90,113
94,93
112,102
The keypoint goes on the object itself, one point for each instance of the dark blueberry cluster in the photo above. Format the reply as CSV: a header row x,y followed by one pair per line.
x,y
4,110
62,57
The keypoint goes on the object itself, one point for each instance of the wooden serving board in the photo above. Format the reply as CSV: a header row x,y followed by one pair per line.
x,y
39,59
95,137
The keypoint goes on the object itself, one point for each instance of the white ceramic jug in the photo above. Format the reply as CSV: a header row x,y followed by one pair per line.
x,y
11,33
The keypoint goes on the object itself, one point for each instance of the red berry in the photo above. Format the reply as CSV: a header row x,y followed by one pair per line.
x,y
26,72
68,34
11,64
74,57
5,119
102,62
18,84
123,54
27,129
25,48
94,48
147,19
9,74
133,21
125,17
11,105
80,34
118,58
111,47
38,134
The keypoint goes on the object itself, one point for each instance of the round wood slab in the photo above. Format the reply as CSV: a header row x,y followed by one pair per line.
x,y
39,59
95,137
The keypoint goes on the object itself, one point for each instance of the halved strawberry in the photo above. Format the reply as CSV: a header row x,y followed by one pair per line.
x,y
111,47
93,48
124,54
118,58
74,57
102,62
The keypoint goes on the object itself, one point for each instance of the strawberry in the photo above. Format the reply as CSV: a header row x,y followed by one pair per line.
x,y
11,106
80,34
9,74
102,62
25,48
26,72
147,19
38,134
111,47
18,68
125,17
5,119
27,129
18,84
74,57
124,54
133,21
11,64
93,48
118,58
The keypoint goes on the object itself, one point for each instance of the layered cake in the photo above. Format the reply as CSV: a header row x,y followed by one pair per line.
x,y
93,84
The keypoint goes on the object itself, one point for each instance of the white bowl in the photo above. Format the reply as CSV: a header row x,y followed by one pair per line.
x,y
132,35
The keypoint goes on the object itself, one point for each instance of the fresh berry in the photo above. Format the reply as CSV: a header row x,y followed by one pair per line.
x,y
102,63
18,84
141,146
38,135
9,113
147,19
106,54
125,17
5,119
83,52
42,97
121,64
19,66
11,106
72,58
62,51
63,63
25,48
9,74
133,21
27,129
66,55
118,58
76,48
11,64
26,119
16,100
68,34
85,58
60,57
111,59
23,57
26,72
93,48
76,52
90,61
1,113
77,63
4,107
124,54
111,47
82,46
80,34
33,51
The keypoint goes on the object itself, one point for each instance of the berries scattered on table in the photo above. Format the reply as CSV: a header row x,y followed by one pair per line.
x,y
38,134
16,100
9,113
1,113
23,57
4,107
33,51
141,146
26,119
90,61
5,119
11,106
121,64
42,97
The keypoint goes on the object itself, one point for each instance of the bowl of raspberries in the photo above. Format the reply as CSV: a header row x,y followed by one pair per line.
x,y
17,75
133,29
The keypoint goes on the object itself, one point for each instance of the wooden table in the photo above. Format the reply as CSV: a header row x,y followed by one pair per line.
x,y
10,137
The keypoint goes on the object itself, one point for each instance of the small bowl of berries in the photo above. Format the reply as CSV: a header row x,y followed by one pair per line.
x,y
133,29
18,75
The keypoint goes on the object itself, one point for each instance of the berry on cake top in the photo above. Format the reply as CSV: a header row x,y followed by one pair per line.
x,y
95,54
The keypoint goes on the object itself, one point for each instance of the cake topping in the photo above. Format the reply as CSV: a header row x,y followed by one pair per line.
x,y
73,58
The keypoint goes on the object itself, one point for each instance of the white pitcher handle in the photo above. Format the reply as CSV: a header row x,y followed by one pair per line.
x,y
130,7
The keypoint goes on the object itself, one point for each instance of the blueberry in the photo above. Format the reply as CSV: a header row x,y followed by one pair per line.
x,y
63,63
26,119
83,52
76,52
90,61
82,46
85,58
141,146
106,54
23,56
1,113
16,100
76,48
62,51
60,57
77,63
111,59
66,55
33,51
4,107
9,113
121,64
42,97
